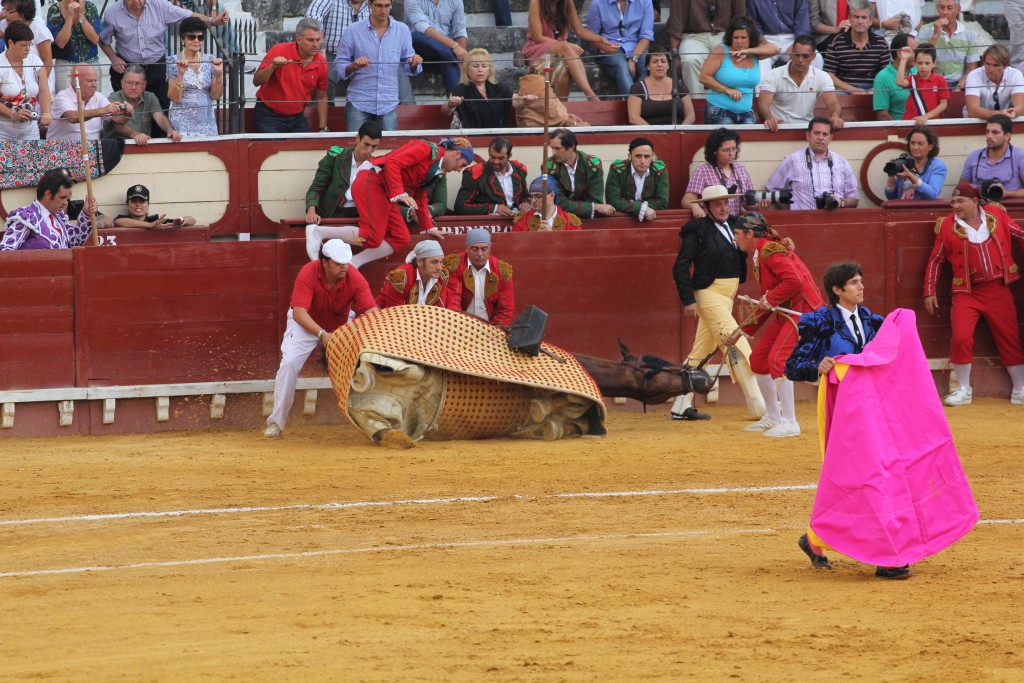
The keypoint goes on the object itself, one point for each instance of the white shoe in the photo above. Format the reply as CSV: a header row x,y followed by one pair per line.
x,y
313,242
762,425
783,430
1017,397
272,431
962,397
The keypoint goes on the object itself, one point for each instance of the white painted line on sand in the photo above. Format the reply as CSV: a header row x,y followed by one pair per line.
x,y
389,503
454,545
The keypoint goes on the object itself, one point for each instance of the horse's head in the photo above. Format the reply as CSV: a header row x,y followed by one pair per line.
x,y
697,377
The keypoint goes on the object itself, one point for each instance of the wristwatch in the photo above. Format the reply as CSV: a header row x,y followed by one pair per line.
x,y
325,129
635,59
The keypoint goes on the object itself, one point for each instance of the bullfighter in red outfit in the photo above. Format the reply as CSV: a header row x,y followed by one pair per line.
x,y
545,214
976,240
480,282
403,176
422,280
785,282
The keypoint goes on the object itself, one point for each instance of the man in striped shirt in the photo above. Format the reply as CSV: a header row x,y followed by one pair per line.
x,y
855,57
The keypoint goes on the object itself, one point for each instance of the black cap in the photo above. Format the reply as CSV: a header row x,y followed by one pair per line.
x,y
138,191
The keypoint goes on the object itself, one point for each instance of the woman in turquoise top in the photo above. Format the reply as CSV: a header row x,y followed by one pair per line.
x,y
731,73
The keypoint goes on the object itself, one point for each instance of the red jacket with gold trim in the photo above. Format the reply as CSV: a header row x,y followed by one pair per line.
x,y
785,281
401,287
530,221
951,244
405,172
499,298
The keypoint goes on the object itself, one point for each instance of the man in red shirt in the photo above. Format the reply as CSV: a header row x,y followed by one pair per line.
x,y
480,283
976,240
422,280
324,293
287,78
786,283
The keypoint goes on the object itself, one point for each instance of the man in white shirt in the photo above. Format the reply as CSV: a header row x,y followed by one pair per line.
x,y
790,92
95,106
996,88
897,16
481,283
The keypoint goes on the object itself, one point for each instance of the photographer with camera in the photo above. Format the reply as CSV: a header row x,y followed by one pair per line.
x,y
817,177
24,95
95,107
998,169
918,173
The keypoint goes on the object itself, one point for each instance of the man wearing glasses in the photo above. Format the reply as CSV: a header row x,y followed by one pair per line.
x,y
133,33
336,16
790,92
369,56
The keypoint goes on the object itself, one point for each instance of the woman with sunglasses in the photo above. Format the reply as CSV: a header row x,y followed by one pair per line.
x,y
194,81
24,94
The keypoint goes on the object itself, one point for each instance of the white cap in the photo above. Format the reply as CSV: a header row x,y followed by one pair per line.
x,y
338,251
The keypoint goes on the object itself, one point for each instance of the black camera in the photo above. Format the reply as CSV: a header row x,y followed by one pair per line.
x,y
903,161
827,201
992,189
751,197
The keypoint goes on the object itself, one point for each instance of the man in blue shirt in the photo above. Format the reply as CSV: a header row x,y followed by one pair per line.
x,y
628,28
998,161
369,56
439,35
781,21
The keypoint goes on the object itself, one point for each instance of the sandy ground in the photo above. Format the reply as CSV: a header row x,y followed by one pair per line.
x,y
321,557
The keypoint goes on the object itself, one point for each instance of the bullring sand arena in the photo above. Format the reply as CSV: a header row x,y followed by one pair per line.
x,y
662,552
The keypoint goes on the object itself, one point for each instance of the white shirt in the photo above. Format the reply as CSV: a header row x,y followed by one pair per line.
x,y
572,173
424,289
727,233
476,306
505,180
887,9
795,103
356,168
977,235
853,323
66,129
977,84
11,84
638,181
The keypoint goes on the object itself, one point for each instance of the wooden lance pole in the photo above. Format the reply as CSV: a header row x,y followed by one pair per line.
x,y
544,152
85,155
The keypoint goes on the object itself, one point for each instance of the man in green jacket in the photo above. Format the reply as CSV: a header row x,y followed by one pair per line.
x,y
579,176
638,185
329,195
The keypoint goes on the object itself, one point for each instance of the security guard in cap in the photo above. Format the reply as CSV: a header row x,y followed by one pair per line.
x,y
138,216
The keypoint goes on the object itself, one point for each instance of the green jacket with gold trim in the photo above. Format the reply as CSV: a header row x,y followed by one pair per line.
x,y
620,189
327,191
589,184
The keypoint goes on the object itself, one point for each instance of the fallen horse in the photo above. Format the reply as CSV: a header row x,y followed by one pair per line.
x,y
648,379
412,372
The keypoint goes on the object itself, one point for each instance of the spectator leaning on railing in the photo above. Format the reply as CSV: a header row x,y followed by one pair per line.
x,y
479,100
996,88
650,99
721,167
145,110
855,57
195,80
289,75
790,92
336,16
133,33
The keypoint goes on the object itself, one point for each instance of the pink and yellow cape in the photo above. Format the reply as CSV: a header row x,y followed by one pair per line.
x,y
892,490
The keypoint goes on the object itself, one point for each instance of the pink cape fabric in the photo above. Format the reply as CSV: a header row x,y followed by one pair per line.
x,y
892,490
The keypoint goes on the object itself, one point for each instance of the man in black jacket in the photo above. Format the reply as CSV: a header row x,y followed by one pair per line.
x,y
708,272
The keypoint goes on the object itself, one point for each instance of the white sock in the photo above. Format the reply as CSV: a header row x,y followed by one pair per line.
x,y
682,402
786,399
337,232
963,373
368,255
1016,375
770,395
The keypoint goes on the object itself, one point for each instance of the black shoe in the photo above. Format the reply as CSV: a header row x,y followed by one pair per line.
x,y
893,572
819,561
691,414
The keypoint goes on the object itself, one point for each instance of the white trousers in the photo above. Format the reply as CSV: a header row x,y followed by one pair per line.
x,y
295,349
694,49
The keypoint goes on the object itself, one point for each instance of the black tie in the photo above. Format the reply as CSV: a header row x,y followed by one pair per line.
x,y
995,98
857,334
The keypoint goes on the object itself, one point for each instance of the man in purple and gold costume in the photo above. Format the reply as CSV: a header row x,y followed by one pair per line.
x,y
44,223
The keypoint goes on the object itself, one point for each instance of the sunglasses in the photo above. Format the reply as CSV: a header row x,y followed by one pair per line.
x,y
194,36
